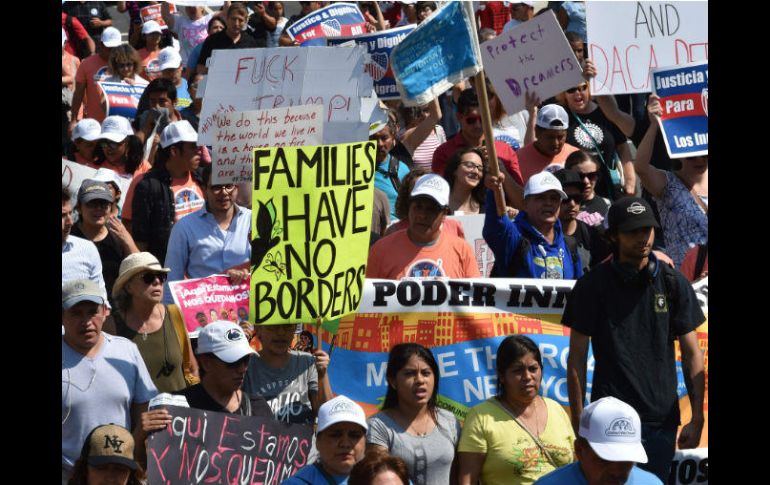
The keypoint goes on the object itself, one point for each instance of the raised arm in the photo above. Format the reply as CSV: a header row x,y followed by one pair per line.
x,y
653,179
165,12
413,137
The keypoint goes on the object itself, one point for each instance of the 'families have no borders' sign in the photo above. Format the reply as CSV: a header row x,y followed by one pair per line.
x,y
312,212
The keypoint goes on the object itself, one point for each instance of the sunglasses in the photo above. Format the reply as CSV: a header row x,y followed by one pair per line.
x,y
592,176
237,363
149,278
576,198
227,188
112,145
472,166
472,120
582,87
98,204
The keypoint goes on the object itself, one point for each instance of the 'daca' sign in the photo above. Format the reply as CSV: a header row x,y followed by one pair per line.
x,y
312,211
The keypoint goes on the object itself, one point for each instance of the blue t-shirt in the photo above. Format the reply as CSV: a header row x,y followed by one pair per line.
x,y
572,475
183,96
382,182
311,474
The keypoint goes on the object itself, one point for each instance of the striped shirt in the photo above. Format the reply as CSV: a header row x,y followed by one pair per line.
x,y
80,261
423,154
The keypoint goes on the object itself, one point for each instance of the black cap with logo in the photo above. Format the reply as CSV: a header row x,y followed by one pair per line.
x,y
630,213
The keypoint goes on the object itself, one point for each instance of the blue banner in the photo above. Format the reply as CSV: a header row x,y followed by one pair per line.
x,y
379,46
441,52
335,20
122,99
683,92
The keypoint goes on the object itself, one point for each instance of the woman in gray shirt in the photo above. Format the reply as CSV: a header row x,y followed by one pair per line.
x,y
410,425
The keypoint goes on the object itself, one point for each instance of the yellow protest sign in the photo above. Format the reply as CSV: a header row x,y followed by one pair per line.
x,y
311,218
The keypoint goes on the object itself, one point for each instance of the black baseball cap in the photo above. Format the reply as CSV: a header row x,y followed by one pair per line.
x,y
569,177
630,213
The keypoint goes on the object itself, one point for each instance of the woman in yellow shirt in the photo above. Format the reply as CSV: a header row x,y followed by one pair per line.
x,y
517,436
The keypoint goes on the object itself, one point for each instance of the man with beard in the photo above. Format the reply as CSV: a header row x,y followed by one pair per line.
x,y
533,244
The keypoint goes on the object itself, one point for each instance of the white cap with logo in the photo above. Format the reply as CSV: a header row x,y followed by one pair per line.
x,y
169,58
433,186
339,410
111,37
614,430
543,182
224,339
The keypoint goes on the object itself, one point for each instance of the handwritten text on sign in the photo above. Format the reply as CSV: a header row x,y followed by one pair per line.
x,y
205,300
258,79
239,133
208,447
542,61
628,39
312,211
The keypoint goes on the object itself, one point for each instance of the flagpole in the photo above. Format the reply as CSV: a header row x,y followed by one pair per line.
x,y
486,118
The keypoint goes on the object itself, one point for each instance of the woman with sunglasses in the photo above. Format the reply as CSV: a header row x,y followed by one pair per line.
x,y
594,126
594,208
465,175
119,149
124,66
141,317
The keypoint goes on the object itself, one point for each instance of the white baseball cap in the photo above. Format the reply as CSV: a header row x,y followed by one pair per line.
x,y
111,37
116,128
614,430
433,186
88,129
176,132
224,339
543,182
552,117
151,26
338,410
169,58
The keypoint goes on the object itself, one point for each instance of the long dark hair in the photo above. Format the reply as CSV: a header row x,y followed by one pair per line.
x,y
134,155
511,349
480,191
397,359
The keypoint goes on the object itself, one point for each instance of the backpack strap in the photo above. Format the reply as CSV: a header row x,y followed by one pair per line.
x,y
572,244
519,259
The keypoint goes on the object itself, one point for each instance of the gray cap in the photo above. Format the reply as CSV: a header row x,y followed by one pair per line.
x,y
94,190
76,291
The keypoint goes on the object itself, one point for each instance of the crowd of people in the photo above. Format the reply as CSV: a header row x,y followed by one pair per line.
x,y
589,194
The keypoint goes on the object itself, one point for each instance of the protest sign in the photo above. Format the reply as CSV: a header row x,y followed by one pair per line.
x,y
222,448
73,174
690,467
122,99
439,53
312,212
379,46
472,227
257,79
152,12
338,19
463,322
205,300
532,57
239,133
626,40
684,97
198,3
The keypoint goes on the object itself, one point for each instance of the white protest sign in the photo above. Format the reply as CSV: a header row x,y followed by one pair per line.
x,y
240,132
628,39
689,467
532,57
73,174
472,227
257,79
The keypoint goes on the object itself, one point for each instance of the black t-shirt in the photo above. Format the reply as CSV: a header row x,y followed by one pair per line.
x,y
256,27
606,135
633,322
221,40
111,253
198,398
85,11
597,204
590,240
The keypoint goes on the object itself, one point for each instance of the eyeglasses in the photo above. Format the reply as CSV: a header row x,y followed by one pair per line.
x,y
234,365
592,176
149,278
472,120
576,198
582,87
227,188
472,166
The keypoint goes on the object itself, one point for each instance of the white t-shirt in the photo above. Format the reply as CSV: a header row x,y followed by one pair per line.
x,y
191,33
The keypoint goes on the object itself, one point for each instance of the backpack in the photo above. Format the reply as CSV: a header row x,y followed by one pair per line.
x,y
392,173
520,259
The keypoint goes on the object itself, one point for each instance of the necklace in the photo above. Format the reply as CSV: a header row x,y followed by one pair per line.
x,y
72,384
519,416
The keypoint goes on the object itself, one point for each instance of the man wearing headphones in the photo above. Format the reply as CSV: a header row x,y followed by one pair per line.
x,y
632,309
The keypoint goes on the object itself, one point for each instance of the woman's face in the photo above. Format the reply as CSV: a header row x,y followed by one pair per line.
x,y
95,212
424,13
578,98
278,9
216,26
414,383
125,69
589,173
521,380
340,447
86,148
152,39
469,170
139,288
115,152
110,474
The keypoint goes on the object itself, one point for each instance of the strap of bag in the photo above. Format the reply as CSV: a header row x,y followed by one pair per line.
x,y
534,438
593,140
181,335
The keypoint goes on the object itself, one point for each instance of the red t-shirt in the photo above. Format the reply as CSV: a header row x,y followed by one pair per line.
x,y
396,256
532,161
494,16
505,154
76,35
